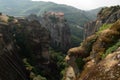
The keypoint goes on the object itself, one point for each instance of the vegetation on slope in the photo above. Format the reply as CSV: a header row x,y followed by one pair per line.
x,y
96,47
103,27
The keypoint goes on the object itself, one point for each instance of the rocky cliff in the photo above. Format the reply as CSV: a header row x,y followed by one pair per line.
x,y
100,52
106,15
59,30
58,27
24,48
11,65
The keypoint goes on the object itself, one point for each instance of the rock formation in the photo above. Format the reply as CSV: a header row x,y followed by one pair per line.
x,y
106,15
58,27
100,51
59,30
107,69
11,65
19,39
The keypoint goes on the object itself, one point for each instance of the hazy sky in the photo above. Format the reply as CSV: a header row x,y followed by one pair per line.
x,y
86,4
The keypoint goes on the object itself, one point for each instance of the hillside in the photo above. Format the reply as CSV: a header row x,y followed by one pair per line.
x,y
75,17
98,57
27,7
94,12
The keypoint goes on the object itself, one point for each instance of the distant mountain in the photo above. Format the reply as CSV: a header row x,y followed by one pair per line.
x,y
26,7
75,17
93,12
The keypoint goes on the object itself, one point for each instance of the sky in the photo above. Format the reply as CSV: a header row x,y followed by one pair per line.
x,y
86,4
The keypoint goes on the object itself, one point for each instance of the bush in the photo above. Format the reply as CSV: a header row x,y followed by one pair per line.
x,y
33,72
80,63
103,27
58,59
111,49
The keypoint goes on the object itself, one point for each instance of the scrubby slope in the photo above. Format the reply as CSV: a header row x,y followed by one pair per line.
x,y
100,52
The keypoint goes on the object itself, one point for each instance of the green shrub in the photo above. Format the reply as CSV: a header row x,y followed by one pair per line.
x,y
103,27
111,49
33,70
80,63
58,59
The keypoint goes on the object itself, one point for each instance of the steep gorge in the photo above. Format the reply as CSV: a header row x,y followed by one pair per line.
x,y
26,54
29,48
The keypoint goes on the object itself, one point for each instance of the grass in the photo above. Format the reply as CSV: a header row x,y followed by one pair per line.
x,y
104,27
111,49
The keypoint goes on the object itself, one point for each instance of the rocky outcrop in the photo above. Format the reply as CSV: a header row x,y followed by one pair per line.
x,y
34,42
100,52
107,69
106,15
32,39
11,65
59,30
58,27
19,39
72,71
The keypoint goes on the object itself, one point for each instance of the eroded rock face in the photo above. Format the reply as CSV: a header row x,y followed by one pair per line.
x,y
11,66
106,15
59,30
72,70
33,39
107,69
95,62
20,38
58,27
100,51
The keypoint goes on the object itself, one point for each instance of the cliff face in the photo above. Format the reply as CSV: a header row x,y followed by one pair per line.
x,y
11,66
32,39
99,51
59,30
106,15
20,39
107,69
